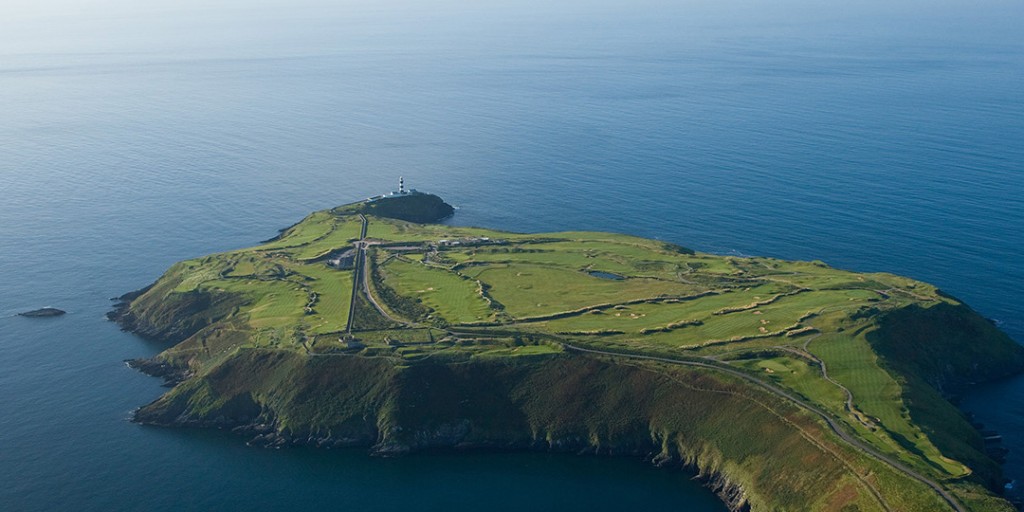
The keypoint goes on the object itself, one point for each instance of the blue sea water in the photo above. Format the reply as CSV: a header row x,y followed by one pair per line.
x,y
885,136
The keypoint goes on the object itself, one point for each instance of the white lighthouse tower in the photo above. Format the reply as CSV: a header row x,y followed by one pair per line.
x,y
401,185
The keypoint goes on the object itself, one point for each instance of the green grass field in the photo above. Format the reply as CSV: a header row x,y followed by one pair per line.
x,y
529,290
454,298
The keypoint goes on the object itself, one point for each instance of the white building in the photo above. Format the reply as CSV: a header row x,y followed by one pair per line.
x,y
402,191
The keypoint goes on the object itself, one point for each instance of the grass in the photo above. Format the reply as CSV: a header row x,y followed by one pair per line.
x,y
529,290
334,291
879,395
799,375
314,227
454,298
344,233
636,317
273,303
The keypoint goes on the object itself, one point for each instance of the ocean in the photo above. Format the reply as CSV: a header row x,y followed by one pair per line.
x,y
886,136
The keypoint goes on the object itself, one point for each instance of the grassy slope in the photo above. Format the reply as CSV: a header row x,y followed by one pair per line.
x,y
888,340
780,457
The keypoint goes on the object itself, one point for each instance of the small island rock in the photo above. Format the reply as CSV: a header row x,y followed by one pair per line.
x,y
43,312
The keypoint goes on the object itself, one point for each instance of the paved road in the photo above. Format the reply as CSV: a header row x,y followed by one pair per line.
x,y
358,268
839,431
361,279
371,298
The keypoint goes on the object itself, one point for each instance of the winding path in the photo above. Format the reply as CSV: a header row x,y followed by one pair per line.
x,y
836,428
852,409
806,354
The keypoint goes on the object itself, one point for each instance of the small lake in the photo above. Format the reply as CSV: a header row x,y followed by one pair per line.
x,y
606,275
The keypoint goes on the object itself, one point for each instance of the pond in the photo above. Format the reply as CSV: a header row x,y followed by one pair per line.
x,y
605,275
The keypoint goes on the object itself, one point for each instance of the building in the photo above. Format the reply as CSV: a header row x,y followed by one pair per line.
x,y
402,191
343,261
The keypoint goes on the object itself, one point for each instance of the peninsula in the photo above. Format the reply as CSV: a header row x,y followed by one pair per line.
x,y
786,385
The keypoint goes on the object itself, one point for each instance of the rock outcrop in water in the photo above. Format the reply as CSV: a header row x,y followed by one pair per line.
x,y
43,313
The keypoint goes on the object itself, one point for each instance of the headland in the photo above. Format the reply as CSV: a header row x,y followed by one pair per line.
x,y
785,385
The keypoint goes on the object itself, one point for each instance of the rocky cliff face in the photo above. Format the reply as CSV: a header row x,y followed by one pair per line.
x,y
417,207
755,450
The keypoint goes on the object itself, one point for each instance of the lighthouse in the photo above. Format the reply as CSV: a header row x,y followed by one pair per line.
x,y
401,185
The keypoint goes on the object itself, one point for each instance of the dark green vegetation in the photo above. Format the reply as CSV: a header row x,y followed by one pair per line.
x,y
789,385
420,208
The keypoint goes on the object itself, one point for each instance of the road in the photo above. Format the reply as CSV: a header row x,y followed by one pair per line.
x,y
361,280
371,298
806,354
360,264
836,428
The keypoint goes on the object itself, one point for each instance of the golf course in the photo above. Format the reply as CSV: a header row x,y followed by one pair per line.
x,y
785,385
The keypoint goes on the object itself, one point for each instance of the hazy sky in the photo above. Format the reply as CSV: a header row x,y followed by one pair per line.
x,y
43,26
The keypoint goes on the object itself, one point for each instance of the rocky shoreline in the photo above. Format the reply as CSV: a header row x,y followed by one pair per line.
x,y
262,430
154,367
121,310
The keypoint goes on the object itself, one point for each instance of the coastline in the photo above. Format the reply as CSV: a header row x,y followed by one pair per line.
x,y
259,426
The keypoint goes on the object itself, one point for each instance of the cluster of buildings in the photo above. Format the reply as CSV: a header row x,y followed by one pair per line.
x,y
475,240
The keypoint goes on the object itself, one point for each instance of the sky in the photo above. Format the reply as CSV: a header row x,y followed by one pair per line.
x,y
40,26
